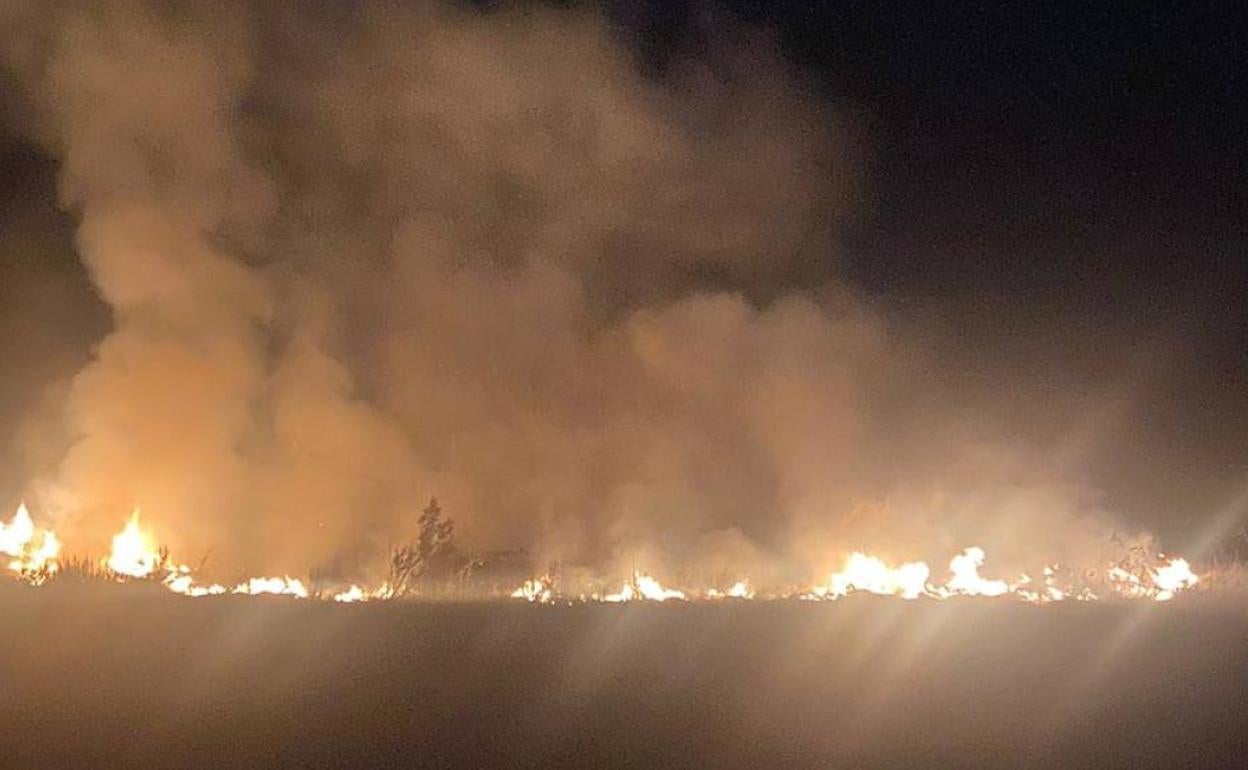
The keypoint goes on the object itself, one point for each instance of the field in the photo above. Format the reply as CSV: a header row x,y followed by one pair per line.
x,y
96,677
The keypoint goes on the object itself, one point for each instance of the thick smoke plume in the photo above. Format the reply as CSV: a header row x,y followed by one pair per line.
x,y
362,257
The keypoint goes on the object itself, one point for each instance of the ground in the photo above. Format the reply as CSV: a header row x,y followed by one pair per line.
x,y
106,678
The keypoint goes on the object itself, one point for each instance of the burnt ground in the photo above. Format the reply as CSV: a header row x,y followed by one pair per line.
x,y
104,678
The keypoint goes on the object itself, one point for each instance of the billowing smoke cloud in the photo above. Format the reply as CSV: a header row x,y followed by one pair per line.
x,y
361,257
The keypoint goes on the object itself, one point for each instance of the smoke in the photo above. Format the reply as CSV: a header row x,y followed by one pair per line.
x,y
362,256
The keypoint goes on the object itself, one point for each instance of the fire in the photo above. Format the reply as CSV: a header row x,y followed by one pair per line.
x,y
1050,591
135,555
966,580
911,581
871,574
357,594
536,590
34,551
134,552
1174,576
279,586
739,590
352,594
866,573
15,535
34,557
643,586
1160,584
181,582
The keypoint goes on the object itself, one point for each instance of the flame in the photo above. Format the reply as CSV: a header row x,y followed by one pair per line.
x,y
643,586
352,594
536,590
739,590
1174,576
1050,591
866,573
280,586
910,581
871,574
34,558
135,555
183,583
16,534
966,580
34,552
45,556
357,594
1159,584
134,552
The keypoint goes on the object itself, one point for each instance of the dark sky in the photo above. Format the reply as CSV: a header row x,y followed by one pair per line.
x,y
1055,198
1026,152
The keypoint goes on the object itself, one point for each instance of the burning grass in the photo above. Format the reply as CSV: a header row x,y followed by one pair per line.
x,y
433,566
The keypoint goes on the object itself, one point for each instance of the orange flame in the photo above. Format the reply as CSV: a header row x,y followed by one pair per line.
x,y
34,551
134,552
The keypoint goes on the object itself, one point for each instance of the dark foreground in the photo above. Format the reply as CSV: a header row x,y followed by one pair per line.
x,y
123,679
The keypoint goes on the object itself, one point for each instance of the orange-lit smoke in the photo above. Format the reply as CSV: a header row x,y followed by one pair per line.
x,y
484,256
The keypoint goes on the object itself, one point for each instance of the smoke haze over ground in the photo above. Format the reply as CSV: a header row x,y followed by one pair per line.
x,y
862,683
343,260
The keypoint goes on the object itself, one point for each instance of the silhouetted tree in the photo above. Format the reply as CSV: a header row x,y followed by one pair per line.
x,y
410,564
